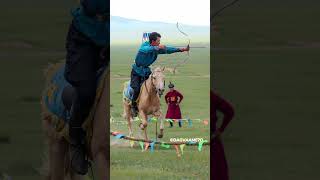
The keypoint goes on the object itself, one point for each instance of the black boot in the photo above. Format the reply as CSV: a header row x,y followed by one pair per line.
x,y
134,109
79,163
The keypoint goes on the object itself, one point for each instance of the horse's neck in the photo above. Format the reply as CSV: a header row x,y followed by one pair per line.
x,y
148,90
148,97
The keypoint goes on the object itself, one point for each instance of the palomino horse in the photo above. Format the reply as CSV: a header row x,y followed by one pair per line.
x,y
148,101
98,148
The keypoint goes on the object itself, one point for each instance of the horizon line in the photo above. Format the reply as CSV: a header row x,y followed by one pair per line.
x,y
154,21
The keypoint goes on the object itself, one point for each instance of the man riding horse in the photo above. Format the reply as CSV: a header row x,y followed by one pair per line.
x,y
86,47
147,55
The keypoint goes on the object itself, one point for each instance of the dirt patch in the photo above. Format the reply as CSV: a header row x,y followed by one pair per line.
x,y
119,143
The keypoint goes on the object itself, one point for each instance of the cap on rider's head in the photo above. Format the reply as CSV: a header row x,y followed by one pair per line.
x,y
171,85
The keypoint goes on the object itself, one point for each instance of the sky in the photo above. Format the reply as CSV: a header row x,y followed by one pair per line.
x,y
189,12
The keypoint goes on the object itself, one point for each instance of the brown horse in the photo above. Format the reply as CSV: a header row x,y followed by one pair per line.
x,y
58,165
148,101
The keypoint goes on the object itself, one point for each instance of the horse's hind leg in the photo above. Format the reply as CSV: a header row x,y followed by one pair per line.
x,y
58,150
128,116
100,137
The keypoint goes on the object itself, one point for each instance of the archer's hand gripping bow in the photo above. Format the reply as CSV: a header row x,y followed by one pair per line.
x,y
188,46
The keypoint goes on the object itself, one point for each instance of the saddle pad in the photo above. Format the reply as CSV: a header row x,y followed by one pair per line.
x,y
53,96
52,100
128,91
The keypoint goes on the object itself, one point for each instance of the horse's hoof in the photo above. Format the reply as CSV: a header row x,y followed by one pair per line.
x,y
160,135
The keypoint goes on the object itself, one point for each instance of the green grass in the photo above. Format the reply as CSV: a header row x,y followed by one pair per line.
x,y
273,87
32,35
274,134
192,80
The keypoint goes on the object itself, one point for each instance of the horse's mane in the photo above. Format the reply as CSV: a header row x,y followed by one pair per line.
x,y
157,69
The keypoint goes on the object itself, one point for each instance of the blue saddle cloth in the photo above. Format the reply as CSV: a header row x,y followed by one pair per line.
x,y
128,92
53,96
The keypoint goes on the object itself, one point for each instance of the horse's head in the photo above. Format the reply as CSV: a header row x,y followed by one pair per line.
x,y
158,80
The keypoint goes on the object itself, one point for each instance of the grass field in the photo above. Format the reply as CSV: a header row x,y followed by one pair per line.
x,y
192,80
266,63
31,36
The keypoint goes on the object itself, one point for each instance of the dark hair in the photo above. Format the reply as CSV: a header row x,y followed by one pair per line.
x,y
171,85
154,36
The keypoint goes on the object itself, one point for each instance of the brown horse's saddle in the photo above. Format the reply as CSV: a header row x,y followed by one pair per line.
x,y
58,97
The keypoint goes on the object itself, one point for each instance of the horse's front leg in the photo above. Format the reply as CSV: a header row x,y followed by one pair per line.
x,y
144,123
161,128
160,116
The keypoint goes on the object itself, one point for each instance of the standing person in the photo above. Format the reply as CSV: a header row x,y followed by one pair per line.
x,y
219,166
146,56
86,45
173,99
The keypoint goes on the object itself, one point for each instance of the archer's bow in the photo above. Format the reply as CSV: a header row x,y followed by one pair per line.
x,y
185,34
220,10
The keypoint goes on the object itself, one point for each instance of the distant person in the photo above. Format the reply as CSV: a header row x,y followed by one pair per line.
x,y
86,45
147,55
173,99
219,166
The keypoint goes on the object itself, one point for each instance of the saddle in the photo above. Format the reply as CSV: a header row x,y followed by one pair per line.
x,y
127,93
58,97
